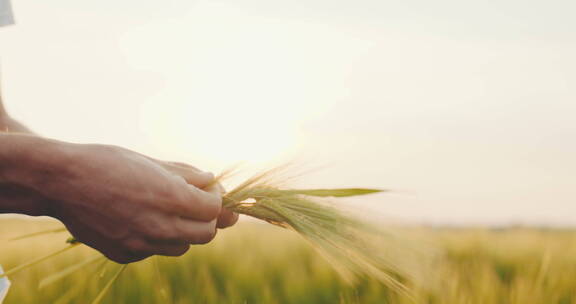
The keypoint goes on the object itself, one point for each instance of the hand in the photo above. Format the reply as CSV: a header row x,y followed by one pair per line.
x,y
226,218
129,206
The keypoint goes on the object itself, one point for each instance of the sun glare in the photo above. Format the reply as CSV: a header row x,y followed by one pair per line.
x,y
218,133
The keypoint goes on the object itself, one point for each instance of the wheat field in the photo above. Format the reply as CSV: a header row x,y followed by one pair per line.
x,y
260,263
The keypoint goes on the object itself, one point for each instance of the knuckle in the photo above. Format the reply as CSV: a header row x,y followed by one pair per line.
x,y
180,193
207,205
229,220
185,165
160,232
135,245
157,229
180,250
213,206
204,237
144,222
114,231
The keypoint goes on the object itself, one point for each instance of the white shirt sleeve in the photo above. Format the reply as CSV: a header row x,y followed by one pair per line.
x,y
6,17
4,285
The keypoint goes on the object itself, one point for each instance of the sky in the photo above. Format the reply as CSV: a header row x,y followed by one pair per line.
x,y
465,109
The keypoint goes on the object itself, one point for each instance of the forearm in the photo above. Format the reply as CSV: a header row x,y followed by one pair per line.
x,y
3,118
26,162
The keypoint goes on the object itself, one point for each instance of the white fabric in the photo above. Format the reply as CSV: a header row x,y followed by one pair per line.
x,y
4,286
6,16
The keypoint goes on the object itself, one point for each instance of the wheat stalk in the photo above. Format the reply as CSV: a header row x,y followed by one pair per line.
x,y
347,243
338,236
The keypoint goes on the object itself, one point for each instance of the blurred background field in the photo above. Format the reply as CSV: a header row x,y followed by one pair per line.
x,y
464,109
257,263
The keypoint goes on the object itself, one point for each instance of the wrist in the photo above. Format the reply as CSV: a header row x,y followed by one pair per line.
x,y
4,118
28,165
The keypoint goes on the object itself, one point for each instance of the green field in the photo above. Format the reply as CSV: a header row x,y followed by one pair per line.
x,y
258,263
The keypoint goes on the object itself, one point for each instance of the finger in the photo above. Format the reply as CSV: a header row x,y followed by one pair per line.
x,y
179,164
157,227
194,203
195,232
227,218
171,163
191,175
221,188
216,189
170,248
141,247
191,202
112,249
125,257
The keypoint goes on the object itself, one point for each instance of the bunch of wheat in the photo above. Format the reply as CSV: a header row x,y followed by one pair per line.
x,y
350,245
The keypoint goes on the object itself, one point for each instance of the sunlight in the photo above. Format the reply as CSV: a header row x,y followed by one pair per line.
x,y
239,135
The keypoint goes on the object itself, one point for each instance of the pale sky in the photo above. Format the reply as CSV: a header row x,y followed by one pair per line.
x,y
465,108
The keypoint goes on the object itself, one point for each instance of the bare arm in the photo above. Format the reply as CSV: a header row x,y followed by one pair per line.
x,y
15,196
124,204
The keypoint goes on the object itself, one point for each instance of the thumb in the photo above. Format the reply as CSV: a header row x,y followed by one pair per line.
x,y
191,175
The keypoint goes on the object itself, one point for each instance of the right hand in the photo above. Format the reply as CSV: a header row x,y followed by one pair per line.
x,y
129,206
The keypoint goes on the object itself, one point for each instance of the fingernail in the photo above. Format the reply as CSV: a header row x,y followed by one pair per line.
x,y
209,175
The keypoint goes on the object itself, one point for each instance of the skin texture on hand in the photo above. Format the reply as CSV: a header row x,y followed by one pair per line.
x,y
124,204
